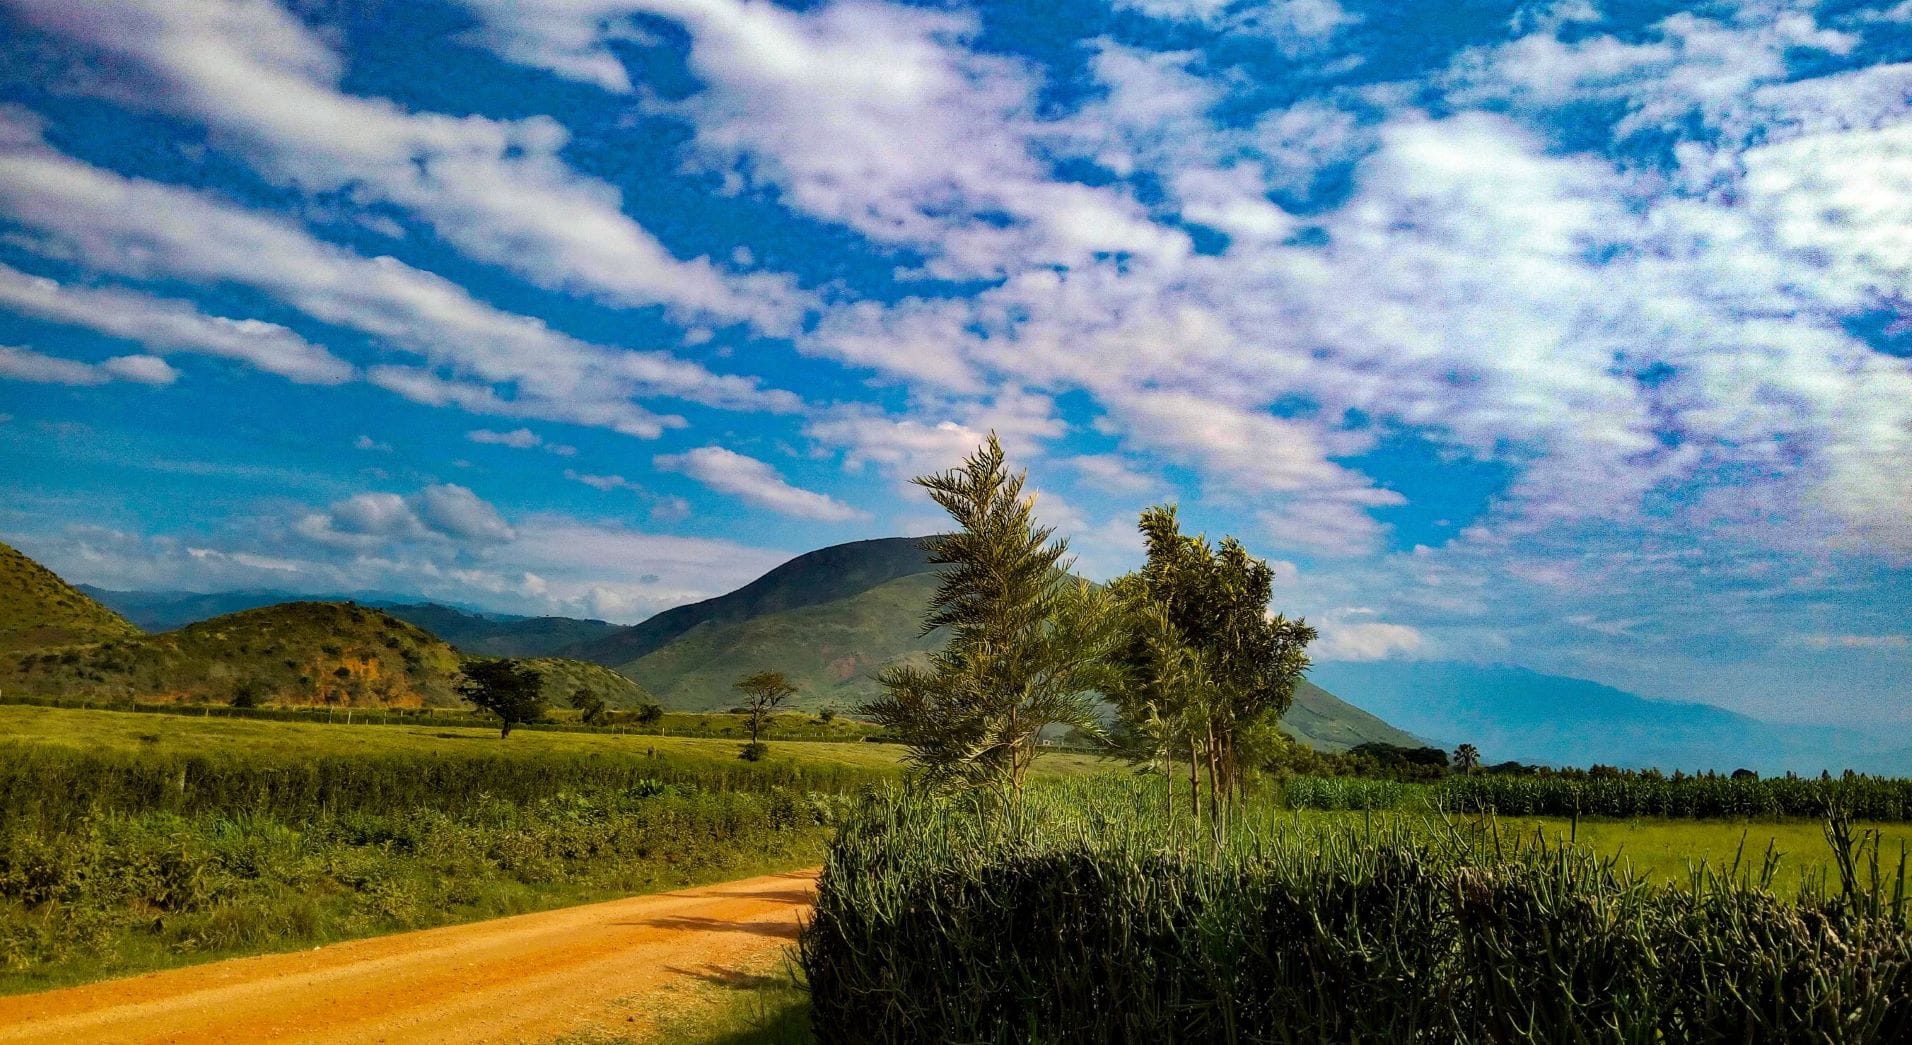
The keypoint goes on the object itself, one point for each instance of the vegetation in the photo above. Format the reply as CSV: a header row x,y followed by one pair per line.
x,y
1089,915
763,691
506,688
37,608
1027,642
1205,668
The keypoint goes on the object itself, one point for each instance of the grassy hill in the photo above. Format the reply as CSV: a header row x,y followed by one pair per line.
x,y
833,618
486,634
37,608
812,579
293,653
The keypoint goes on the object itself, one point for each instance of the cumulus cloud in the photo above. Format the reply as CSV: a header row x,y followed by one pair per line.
x,y
443,512
22,364
1353,634
756,482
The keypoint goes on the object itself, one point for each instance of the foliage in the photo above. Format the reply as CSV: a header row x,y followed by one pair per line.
x,y
506,688
1466,758
763,691
590,707
1205,668
1027,643
119,892
1086,916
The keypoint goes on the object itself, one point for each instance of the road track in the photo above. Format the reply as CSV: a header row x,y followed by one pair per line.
x,y
609,969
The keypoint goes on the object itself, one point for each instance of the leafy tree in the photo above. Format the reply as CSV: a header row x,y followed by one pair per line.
x,y
650,714
1467,758
246,696
827,716
1205,665
505,687
1027,642
763,691
596,712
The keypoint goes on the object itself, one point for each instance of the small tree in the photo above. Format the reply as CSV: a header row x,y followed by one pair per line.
x,y
650,714
595,711
763,692
1467,758
1028,643
507,689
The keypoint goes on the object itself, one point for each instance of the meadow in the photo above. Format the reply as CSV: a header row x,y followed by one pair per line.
x,y
133,841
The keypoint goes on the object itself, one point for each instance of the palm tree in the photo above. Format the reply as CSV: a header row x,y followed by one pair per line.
x,y
1467,758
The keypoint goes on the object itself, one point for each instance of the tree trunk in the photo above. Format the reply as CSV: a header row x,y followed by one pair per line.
x,y
1194,783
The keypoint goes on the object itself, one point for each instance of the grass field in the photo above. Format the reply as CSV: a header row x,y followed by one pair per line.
x,y
186,735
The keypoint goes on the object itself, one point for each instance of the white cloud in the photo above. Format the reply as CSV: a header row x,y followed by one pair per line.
x,y
1860,642
439,512
1298,26
756,482
366,442
1351,634
600,482
520,438
163,325
497,190
143,228
21,364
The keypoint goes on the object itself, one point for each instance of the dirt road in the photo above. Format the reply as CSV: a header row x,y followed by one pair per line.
x,y
611,968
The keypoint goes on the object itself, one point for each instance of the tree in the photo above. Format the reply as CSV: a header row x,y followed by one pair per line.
x,y
505,687
1467,758
1027,643
596,712
650,714
1205,665
763,692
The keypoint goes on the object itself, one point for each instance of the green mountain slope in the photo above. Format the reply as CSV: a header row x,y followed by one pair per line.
x,y
832,648
499,635
37,608
811,579
832,651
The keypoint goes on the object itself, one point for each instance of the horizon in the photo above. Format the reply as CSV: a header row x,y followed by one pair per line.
x,y
1565,336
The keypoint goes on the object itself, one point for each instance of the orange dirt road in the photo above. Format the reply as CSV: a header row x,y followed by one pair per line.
x,y
610,968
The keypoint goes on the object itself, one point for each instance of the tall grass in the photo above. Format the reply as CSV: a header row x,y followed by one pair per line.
x,y
1085,915
1696,798
50,788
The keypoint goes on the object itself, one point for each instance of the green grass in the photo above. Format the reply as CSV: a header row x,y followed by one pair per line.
x,y
83,730
37,608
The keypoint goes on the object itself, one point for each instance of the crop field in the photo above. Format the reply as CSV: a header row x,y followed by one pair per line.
x,y
1085,912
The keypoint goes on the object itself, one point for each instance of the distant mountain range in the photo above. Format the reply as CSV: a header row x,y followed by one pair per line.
x,y
834,617
1512,713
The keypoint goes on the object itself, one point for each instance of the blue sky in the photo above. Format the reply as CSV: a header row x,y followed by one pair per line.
x,y
1568,335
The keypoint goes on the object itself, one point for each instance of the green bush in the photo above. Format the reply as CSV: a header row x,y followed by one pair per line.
x,y
1084,916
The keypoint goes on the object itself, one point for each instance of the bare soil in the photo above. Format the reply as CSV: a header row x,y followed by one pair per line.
x,y
606,969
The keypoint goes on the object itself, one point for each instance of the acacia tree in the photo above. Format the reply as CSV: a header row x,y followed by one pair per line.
x,y
506,688
1205,661
1028,643
763,692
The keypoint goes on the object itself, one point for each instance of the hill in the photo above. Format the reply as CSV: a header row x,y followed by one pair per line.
x,y
812,579
1512,713
833,618
292,653
37,608
488,634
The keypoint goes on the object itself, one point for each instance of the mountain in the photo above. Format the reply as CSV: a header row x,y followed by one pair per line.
x,y
500,635
1512,713
37,608
831,619
812,579
489,634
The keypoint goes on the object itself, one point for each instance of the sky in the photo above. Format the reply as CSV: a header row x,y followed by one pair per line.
x,y
1569,335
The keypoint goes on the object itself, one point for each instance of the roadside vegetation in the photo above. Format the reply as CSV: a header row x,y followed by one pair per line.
x,y
1236,888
